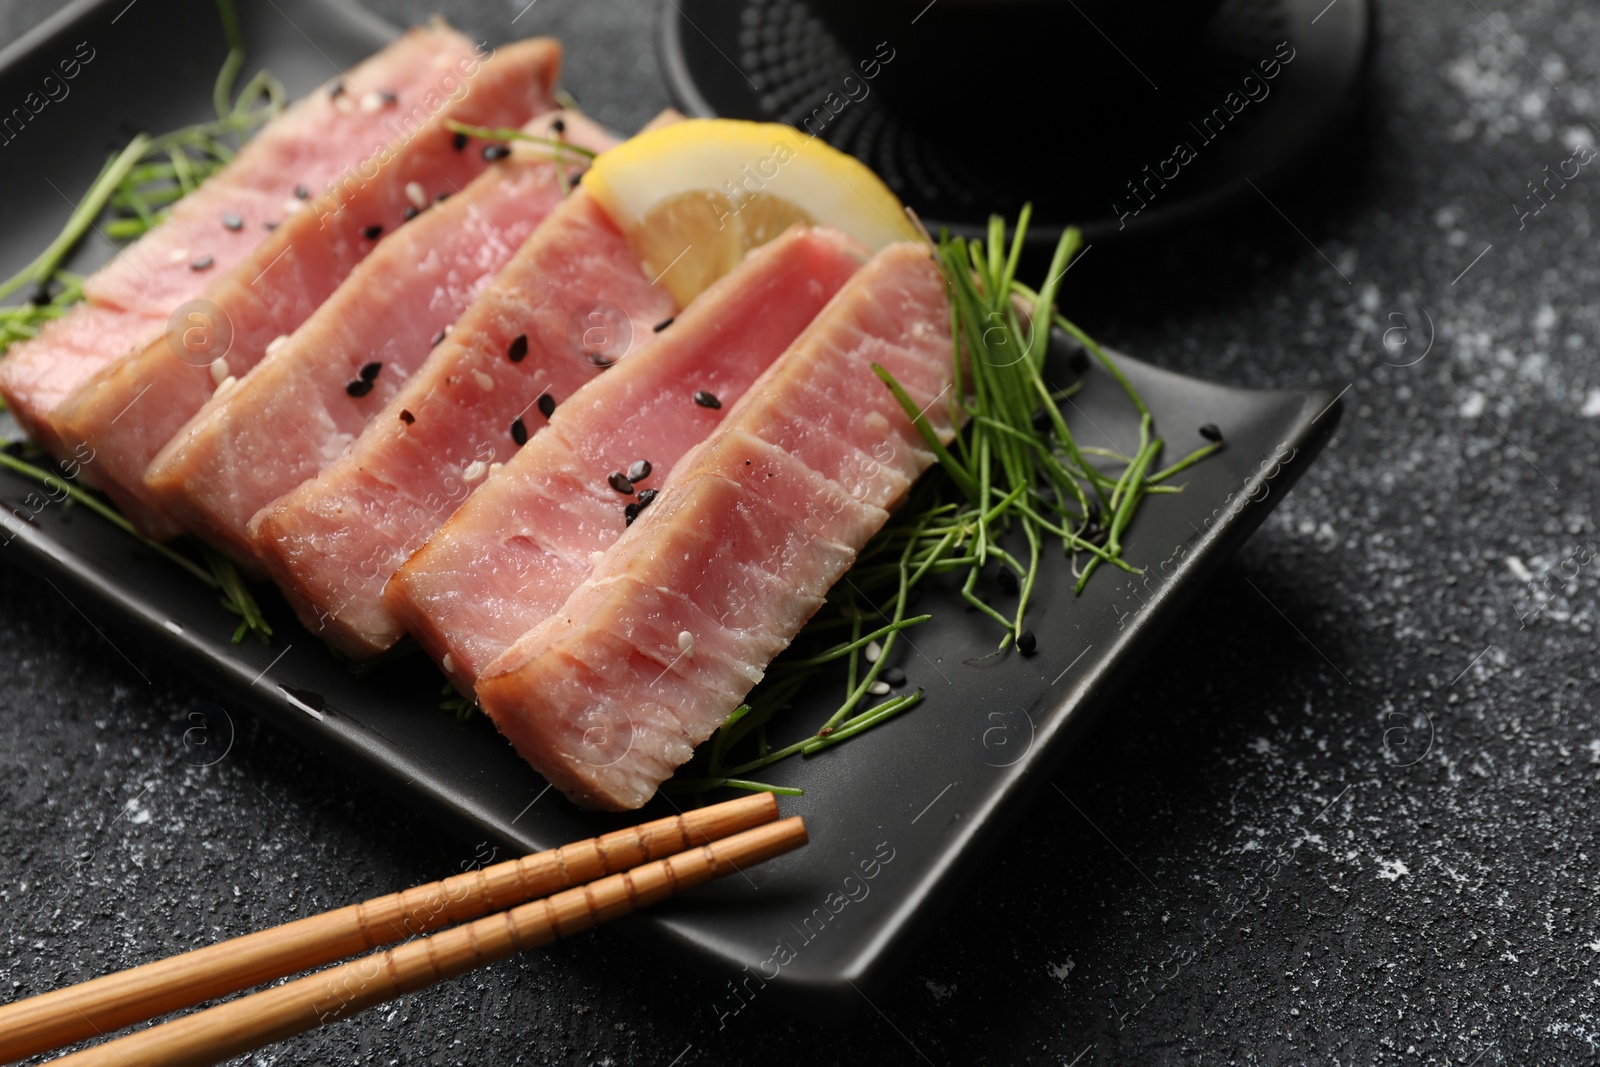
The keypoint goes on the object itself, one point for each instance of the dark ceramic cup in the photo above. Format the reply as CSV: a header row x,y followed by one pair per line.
x,y
960,60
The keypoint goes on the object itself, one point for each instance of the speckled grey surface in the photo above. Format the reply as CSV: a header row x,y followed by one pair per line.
x,y
1347,815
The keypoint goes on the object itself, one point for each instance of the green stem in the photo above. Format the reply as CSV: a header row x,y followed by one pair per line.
x,y
78,495
83,216
840,651
507,133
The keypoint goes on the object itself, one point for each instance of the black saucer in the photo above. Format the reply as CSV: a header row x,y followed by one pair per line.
x,y
1153,153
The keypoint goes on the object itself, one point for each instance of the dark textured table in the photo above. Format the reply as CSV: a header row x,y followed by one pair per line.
x,y
1346,815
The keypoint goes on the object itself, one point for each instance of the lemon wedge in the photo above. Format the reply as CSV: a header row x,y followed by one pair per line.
x,y
695,196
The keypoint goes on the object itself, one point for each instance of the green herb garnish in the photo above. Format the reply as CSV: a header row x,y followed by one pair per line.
x,y
457,703
508,133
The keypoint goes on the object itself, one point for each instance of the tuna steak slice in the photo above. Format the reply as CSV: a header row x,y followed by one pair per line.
x,y
312,395
333,542
520,544
607,697
133,407
307,146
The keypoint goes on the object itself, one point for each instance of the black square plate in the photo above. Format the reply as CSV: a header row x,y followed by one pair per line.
x,y
898,817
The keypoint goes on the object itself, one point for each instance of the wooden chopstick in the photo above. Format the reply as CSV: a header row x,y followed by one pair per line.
x,y
258,1019
65,1016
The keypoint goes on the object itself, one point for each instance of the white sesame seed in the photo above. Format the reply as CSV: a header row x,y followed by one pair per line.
x,y
293,204
595,558
878,689
475,470
223,386
178,255
219,371
344,103
277,343
484,379
686,643
448,664
494,467
372,102
874,650
417,195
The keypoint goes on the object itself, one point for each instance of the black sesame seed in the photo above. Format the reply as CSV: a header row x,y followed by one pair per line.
x,y
639,470
492,152
438,337
1006,580
559,126
629,513
519,431
599,359
577,178
406,417
358,387
1210,432
459,141
547,405
517,351
387,96
1099,538
203,263
706,400
232,221
411,213
441,198
662,325
40,295
270,226
894,676
1041,421
645,496
619,481
302,193
369,371
1026,642
372,233
337,91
